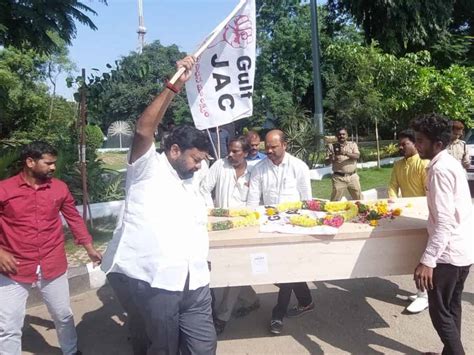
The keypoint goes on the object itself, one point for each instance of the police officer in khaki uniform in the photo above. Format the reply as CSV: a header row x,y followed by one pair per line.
x,y
457,147
343,155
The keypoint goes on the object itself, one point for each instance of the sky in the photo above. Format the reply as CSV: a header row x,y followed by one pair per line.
x,y
182,22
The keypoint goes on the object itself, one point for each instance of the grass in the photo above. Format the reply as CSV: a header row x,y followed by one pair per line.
x,y
101,233
369,179
114,160
118,160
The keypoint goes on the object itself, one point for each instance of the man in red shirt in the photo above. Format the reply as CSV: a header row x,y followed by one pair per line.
x,y
32,247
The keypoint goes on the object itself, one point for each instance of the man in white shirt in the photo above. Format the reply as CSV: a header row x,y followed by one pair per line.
x,y
282,178
162,242
229,179
445,263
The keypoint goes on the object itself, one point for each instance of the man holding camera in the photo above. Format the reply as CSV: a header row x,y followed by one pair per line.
x,y
343,156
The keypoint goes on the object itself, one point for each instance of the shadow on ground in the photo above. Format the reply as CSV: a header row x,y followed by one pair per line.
x,y
33,341
100,328
342,318
359,316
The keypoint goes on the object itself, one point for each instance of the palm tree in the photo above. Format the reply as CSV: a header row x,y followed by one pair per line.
x,y
30,23
119,128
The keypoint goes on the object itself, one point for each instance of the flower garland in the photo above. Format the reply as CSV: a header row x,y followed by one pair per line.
x,y
371,213
308,221
230,212
337,212
245,218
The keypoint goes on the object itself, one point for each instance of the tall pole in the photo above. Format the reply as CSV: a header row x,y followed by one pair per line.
x,y
82,145
141,27
318,97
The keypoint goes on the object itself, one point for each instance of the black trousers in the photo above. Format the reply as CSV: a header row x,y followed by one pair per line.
x,y
445,305
120,283
302,293
177,322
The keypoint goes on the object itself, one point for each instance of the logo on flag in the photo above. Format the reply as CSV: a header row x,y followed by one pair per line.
x,y
221,87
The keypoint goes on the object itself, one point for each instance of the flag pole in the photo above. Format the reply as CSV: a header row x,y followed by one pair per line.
x,y
209,39
218,143
212,143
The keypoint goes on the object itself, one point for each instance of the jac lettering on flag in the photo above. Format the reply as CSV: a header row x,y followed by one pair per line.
x,y
221,87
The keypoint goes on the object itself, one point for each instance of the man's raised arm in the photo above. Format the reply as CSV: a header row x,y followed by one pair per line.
x,y
153,114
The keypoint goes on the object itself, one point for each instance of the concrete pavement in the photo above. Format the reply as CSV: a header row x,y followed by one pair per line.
x,y
363,316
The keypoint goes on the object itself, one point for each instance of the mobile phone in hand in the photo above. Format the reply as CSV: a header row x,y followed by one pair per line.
x,y
337,148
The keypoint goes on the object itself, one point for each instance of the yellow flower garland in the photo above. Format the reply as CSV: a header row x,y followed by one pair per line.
x,y
245,218
285,206
303,221
348,210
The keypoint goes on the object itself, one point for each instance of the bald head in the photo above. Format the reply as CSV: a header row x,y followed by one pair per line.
x,y
275,146
275,134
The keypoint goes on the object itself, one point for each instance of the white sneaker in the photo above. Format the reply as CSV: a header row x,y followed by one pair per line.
x,y
418,305
418,294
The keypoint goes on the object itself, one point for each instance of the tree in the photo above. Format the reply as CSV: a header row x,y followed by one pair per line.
x,y
23,94
123,93
31,23
25,104
364,84
284,77
58,129
361,83
441,26
57,62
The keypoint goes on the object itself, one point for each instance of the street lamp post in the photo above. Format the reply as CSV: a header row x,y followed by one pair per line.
x,y
318,98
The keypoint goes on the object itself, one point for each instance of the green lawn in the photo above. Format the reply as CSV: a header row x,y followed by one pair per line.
x,y
114,160
101,232
369,179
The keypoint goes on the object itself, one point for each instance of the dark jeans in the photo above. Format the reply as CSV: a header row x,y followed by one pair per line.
x,y
302,293
136,325
177,321
445,305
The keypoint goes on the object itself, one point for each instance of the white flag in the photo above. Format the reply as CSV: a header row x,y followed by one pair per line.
x,y
221,87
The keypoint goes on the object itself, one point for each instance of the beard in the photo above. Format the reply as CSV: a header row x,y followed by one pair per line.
x,y
183,172
184,175
42,176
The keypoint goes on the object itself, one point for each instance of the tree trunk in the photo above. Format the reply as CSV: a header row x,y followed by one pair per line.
x,y
51,104
357,133
377,141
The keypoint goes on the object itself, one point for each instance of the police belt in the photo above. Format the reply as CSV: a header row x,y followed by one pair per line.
x,y
343,174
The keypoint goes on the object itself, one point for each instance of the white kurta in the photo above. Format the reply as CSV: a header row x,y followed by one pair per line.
x,y
163,234
289,181
230,191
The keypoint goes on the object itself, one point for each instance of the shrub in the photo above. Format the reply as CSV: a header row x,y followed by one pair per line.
x,y
94,137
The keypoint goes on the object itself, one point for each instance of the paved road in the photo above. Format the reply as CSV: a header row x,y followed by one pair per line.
x,y
364,316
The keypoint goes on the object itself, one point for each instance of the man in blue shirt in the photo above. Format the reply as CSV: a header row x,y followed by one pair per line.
x,y
254,155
